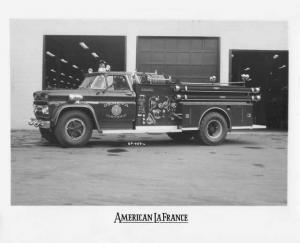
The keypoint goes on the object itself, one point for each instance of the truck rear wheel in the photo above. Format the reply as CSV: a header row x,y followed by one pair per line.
x,y
48,135
213,129
181,137
73,129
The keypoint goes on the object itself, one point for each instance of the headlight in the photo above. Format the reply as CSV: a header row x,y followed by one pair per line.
x,y
45,110
42,109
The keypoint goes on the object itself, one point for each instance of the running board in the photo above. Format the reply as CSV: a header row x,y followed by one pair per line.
x,y
145,129
249,127
168,129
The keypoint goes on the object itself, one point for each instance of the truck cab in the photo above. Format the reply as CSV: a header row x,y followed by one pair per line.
x,y
112,98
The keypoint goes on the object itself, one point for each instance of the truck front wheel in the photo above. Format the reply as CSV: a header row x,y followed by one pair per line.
x,y
181,137
73,129
213,129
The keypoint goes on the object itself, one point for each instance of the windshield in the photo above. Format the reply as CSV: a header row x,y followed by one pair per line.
x,y
95,82
114,82
87,82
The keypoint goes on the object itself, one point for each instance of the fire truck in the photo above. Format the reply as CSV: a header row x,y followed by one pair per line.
x,y
124,102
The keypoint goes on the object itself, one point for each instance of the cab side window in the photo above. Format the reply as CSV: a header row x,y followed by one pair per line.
x,y
117,83
99,82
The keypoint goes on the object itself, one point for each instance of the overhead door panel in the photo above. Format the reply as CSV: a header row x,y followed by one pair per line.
x,y
188,59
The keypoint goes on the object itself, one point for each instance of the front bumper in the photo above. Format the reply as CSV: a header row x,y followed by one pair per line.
x,y
39,123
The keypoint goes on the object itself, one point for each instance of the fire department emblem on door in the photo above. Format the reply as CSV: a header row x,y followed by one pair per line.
x,y
116,110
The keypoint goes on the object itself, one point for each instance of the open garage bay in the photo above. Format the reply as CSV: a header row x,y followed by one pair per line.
x,y
67,58
249,169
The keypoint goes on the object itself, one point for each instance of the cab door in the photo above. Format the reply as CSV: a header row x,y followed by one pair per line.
x,y
118,105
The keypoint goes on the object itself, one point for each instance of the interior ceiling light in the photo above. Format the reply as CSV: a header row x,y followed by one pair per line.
x,y
77,79
63,60
62,74
275,56
74,66
247,69
83,45
50,54
70,76
281,67
94,54
62,81
52,70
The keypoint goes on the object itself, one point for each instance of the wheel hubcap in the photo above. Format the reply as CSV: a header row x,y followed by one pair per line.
x,y
75,128
214,128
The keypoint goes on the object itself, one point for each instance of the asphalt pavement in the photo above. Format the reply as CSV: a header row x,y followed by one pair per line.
x,y
250,168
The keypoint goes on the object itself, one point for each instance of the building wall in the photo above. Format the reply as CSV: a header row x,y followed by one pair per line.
x,y
26,46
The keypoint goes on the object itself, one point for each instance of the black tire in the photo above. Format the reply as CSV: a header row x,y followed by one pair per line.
x,y
213,129
73,129
181,137
48,135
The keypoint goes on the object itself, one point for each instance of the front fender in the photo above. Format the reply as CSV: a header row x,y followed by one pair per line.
x,y
86,107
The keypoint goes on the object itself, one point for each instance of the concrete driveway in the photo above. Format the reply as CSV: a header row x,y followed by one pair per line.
x,y
250,168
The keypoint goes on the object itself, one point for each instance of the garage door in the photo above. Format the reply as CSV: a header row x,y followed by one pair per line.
x,y
189,59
